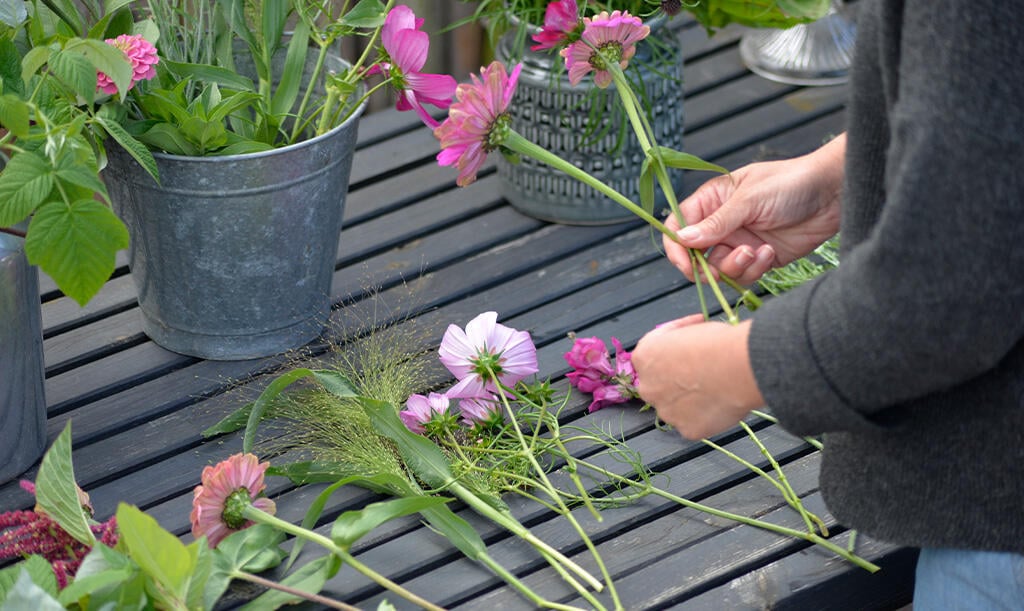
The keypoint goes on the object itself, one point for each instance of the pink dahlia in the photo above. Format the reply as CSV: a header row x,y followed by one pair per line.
x,y
478,122
606,39
421,410
140,52
227,489
561,22
486,347
407,47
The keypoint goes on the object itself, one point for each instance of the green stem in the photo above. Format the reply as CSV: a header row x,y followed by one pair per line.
x,y
811,440
273,585
262,517
792,498
532,596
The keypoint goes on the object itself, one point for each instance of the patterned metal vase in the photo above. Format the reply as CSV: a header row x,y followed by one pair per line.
x,y
588,127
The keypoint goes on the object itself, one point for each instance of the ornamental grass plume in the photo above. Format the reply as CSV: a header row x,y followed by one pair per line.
x,y
34,532
607,38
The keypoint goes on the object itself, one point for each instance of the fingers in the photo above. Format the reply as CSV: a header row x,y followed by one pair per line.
x,y
745,264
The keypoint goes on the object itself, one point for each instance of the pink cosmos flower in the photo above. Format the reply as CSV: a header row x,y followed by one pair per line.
x,y
480,411
407,48
604,36
141,53
486,345
226,489
591,365
561,21
478,121
420,410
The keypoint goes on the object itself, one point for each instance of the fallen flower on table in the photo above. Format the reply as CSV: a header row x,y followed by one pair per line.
x,y
594,373
227,488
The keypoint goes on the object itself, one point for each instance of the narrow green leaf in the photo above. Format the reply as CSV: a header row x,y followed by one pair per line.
x,y
274,17
68,13
14,115
158,553
56,491
209,74
310,577
646,186
259,407
335,383
76,245
365,14
458,531
27,595
244,147
25,183
234,421
686,161
135,148
167,137
421,455
37,568
352,526
233,103
290,79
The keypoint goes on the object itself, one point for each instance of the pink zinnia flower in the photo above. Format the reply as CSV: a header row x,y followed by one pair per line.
x,y
140,52
407,48
478,121
606,38
561,21
486,346
227,488
420,410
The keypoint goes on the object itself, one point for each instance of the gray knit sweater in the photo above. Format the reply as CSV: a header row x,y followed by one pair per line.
x,y
910,356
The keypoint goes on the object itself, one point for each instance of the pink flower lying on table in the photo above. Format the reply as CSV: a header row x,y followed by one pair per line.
x,y
561,22
605,38
227,488
477,122
486,347
421,410
406,47
483,412
141,53
593,372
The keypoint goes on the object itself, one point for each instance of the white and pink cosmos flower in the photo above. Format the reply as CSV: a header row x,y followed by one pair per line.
x,y
486,347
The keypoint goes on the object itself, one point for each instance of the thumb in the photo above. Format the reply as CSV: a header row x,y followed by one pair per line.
x,y
713,229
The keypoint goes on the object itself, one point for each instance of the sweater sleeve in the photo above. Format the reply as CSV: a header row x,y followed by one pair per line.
x,y
929,298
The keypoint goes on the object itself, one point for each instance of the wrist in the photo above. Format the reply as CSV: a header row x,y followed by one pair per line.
x,y
745,391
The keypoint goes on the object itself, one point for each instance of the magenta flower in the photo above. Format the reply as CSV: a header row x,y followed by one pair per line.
x,y
486,346
561,25
407,47
478,122
226,489
591,365
421,410
481,412
140,52
606,38
609,395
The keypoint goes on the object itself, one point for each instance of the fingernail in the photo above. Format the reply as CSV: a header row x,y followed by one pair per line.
x,y
744,257
689,234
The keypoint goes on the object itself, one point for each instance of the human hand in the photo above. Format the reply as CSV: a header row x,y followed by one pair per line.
x,y
764,215
697,375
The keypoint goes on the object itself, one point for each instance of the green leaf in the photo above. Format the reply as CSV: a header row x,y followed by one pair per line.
x,y
167,137
365,14
35,59
27,595
244,147
274,17
209,74
24,184
107,59
253,550
234,102
686,161
135,148
311,578
352,526
102,568
290,79
10,69
202,571
56,491
206,135
78,168
646,185
37,568
14,115
458,531
259,407
421,455
76,71
12,13
158,553
335,383
76,245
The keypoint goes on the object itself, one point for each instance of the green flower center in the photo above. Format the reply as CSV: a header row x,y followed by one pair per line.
x,y
234,508
498,132
605,55
485,363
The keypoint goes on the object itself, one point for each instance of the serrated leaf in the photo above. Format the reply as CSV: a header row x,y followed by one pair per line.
x,y
136,149
37,568
27,595
76,245
56,490
13,12
158,553
10,68
14,115
74,70
35,59
107,59
365,14
352,526
25,183
73,170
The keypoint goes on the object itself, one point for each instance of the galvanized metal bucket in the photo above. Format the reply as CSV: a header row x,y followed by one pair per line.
x,y
233,256
22,398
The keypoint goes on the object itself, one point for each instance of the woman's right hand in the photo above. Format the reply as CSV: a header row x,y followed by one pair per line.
x,y
763,215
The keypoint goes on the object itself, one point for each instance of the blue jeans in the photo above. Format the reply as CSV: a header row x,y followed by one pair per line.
x,y
953,580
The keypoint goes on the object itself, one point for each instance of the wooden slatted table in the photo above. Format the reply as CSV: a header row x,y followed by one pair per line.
x,y
438,254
